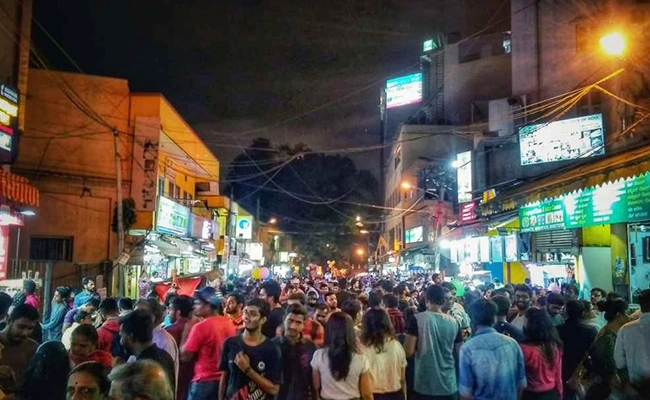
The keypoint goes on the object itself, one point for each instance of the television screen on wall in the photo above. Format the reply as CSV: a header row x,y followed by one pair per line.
x,y
562,140
404,90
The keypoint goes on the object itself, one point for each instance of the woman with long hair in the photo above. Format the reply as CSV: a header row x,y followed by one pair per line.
x,y
385,354
542,350
340,370
46,374
601,365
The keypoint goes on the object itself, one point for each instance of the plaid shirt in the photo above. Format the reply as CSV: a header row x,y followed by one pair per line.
x,y
314,332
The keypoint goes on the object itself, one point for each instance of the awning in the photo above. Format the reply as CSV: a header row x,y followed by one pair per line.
x,y
415,249
588,173
17,189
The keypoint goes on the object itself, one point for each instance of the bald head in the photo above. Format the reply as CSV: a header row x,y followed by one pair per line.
x,y
141,380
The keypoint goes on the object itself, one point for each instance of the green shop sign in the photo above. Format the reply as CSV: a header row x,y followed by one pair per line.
x,y
613,202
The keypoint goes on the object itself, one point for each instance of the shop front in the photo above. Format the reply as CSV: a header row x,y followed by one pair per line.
x,y
180,245
591,220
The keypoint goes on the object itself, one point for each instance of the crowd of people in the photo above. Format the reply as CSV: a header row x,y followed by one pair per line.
x,y
369,338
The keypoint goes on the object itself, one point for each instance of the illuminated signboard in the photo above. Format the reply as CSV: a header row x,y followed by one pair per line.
x,y
429,45
484,249
562,140
468,211
613,202
414,235
172,217
496,248
244,227
8,116
202,228
512,247
404,90
464,176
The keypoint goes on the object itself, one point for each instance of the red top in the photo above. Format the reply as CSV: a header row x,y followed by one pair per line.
x,y
33,301
314,331
206,340
397,319
100,356
107,332
541,375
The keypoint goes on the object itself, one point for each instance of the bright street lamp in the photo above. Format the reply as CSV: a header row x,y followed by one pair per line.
x,y
273,221
360,252
613,44
406,186
364,232
358,218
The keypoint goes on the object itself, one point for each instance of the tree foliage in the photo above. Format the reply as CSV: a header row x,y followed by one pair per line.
x,y
297,187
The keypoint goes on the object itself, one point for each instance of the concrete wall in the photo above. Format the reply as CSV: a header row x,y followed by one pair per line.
x,y
64,151
8,46
477,81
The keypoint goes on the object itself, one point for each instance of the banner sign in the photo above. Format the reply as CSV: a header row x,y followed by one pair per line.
x,y
172,217
612,203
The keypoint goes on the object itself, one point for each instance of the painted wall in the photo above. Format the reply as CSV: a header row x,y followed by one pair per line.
x,y
70,158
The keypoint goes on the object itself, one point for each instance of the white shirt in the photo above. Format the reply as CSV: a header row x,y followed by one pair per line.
x,y
66,339
519,321
386,367
345,389
632,349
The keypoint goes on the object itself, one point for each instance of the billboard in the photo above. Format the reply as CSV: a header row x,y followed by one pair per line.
x,y
414,235
562,140
464,176
8,119
404,90
172,217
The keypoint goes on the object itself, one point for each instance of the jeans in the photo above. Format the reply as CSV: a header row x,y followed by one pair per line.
x,y
203,390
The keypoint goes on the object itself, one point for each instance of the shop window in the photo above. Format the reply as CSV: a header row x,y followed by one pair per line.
x,y
161,186
398,156
584,36
51,248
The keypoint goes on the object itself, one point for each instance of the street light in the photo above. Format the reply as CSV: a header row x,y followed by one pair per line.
x,y
360,252
406,186
273,221
364,232
358,218
613,44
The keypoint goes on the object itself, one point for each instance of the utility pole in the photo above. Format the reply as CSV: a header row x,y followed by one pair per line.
x,y
229,229
120,213
258,222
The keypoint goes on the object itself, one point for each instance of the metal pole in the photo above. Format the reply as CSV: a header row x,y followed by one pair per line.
x,y
120,213
229,230
17,255
47,288
257,217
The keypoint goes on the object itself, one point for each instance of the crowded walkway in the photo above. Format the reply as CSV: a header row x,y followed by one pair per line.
x,y
304,339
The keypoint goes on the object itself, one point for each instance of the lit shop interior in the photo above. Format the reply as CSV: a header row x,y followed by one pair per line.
x,y
182,244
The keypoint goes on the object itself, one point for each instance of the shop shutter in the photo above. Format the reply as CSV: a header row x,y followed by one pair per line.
x,y
548,242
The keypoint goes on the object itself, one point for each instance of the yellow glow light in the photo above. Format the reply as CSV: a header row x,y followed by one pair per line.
x,y
613,44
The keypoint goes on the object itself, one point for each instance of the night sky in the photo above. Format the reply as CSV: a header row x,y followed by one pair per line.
x,y
232,66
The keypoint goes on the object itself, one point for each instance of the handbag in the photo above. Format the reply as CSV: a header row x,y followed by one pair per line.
x,y
582,378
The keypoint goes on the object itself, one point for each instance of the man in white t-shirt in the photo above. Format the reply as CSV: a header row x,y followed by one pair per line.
x,y
523,297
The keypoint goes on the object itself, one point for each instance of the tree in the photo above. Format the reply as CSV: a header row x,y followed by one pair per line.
x,y
301,194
